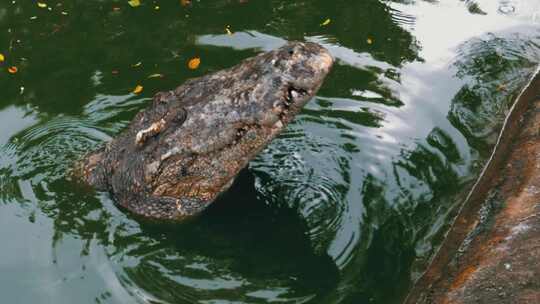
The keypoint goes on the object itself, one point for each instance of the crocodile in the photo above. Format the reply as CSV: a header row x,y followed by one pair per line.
x,y
186,148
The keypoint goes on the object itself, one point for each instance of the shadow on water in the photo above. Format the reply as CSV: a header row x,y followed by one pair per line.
x,y
346,206
257,250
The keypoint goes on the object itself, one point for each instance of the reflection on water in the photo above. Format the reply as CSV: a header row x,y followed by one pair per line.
x,y
345,206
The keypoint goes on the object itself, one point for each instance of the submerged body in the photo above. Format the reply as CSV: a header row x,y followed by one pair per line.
x,y
186,148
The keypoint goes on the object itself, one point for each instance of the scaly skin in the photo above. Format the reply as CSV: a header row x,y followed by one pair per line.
x,y
186,148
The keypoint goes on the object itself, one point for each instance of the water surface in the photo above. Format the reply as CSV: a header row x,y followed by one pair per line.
x,y
346,206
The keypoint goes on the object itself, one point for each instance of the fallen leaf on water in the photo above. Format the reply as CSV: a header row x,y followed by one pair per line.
x,y
194,63
136,65
228,30
138,89
369,41
326,22
185,2
156,7
501,87
134,3
114,72
13,69
2,58
42,5
157,75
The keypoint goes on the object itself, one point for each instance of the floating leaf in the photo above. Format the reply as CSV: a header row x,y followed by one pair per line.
x,y
138,89
42,5
136,65
185,2
228,30
2,58
369,41
194,63
134,3
326,22
157,75
13,69
156,7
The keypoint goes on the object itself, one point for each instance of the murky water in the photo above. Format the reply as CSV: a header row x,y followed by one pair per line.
x,y
345,206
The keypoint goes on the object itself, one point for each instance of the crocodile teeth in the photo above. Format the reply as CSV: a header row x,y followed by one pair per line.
x,y
295,94
289,98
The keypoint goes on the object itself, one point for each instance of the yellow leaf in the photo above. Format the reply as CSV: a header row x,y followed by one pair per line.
x,y
156,76
369,41
134,3
2,58
136,65
194,63
228,30
13,70
138,89
326,22
42,5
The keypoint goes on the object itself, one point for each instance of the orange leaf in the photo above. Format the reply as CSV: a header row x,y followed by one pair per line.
x,y
13,69
134,3
194,63
138,89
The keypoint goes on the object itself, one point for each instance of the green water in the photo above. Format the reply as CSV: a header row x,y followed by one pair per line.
x,y
346,206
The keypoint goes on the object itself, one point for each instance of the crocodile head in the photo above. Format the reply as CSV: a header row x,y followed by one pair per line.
x,y
178,155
